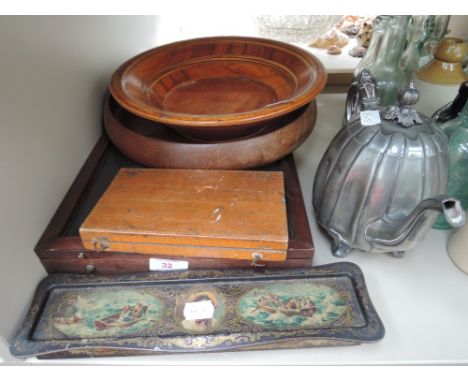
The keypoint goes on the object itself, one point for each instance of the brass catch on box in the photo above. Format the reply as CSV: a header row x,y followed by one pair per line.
x,y
255,257
101,243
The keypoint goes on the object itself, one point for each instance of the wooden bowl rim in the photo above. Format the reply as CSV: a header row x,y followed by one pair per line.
x,y
248,156
252,117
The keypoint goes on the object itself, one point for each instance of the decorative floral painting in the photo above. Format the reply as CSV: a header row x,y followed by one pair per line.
x,y
291,306
111,313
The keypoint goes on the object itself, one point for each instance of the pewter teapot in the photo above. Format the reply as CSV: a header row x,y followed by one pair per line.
x,y
379,187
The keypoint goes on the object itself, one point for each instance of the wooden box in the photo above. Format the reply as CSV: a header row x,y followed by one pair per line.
x,y
60,248
191,213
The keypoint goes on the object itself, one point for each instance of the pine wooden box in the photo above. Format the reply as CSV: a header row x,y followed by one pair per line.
x,y
61,250
192,213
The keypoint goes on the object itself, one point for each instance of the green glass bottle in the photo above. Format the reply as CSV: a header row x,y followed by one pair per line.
x,y
382,58
418,31
457,133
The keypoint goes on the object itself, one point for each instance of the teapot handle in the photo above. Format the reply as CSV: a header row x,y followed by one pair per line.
x,y
363,93
353,104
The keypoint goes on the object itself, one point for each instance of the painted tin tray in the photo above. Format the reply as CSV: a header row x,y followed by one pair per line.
x,y
198,311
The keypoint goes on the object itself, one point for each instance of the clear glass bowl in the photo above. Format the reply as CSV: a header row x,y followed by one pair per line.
x,y
296,28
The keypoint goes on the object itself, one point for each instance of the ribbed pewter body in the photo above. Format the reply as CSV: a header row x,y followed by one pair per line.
x,y
370,173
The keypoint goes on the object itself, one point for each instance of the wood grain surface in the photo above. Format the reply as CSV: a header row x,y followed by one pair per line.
x,y
194,213
153,145
226,86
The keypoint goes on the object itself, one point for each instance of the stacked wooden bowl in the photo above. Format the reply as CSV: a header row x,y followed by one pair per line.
x,y
218,102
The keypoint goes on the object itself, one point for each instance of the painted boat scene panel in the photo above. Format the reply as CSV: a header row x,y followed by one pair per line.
x,y
300,305
98,313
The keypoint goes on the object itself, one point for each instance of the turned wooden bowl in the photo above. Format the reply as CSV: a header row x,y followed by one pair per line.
x,y
218,88
153,144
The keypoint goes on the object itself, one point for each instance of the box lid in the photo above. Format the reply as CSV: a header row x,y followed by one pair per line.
x,y
209,213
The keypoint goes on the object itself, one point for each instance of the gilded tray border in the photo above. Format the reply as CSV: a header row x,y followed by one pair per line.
x,y
23,346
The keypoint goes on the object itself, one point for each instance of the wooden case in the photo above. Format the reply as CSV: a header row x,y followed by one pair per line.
x,y
195,213
60,248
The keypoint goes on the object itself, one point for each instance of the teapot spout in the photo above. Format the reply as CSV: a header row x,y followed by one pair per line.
x,y
386,235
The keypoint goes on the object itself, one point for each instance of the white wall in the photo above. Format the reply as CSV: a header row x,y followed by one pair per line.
x,y
54,72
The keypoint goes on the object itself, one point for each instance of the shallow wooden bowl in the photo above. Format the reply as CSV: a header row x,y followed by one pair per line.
x,y
154,145
218,88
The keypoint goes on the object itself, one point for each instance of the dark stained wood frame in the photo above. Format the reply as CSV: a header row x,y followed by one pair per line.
x,y
59,253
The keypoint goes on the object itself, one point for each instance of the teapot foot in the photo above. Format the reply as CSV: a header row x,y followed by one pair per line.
x,y
398,254
340,248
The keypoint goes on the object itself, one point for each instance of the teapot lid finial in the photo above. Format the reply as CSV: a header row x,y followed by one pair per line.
x,y
405,114
408,96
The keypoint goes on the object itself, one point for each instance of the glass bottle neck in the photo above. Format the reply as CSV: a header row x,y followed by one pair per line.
x,y
419,28
387,43
393,41
440,24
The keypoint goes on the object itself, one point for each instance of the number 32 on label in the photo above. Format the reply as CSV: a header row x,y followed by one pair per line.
x,y
167,265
